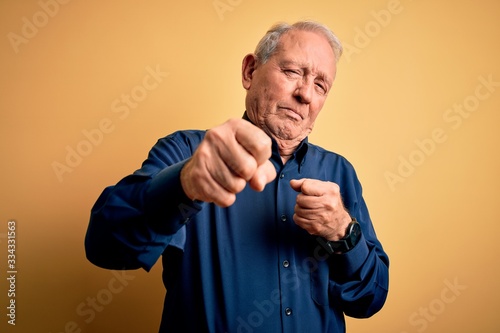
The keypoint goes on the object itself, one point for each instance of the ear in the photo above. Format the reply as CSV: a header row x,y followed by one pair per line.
x,y
247,68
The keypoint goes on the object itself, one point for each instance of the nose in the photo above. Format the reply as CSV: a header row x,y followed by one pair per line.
x,y
304,91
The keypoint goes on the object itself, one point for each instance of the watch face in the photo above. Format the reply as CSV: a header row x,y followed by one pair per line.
x,y
355,234
356,229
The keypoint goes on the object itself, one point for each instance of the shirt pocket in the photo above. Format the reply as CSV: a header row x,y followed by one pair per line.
x,y
320,283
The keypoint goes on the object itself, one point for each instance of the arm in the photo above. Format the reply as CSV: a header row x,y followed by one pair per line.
x,y
133,221
358,279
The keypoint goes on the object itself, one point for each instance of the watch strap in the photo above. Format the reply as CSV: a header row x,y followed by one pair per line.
x,y
348,242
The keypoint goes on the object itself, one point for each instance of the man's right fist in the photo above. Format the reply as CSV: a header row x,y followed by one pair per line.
x,y
229,156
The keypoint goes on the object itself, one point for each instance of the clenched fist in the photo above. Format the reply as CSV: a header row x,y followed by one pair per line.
x,y
229,156
319,208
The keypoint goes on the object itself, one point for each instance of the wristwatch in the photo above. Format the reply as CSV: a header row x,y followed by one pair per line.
x,y
351,238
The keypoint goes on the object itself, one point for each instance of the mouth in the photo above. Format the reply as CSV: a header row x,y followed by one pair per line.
x,y
291,112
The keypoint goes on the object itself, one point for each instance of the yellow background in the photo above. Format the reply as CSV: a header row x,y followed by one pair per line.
x,y
408,66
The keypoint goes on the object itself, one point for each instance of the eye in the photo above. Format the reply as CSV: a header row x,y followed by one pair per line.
x,y
322,88
292,72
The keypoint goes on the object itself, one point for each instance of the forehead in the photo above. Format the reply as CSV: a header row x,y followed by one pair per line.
x,y
307,48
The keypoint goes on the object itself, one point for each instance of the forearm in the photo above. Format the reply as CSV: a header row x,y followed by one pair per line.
x,y
132,222
360,279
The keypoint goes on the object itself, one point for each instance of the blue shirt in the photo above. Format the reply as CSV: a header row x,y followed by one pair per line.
x,y
247,268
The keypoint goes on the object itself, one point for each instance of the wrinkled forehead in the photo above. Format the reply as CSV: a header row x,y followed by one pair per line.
x,y
308,49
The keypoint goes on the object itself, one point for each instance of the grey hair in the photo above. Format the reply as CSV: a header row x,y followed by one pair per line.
x,y
269,43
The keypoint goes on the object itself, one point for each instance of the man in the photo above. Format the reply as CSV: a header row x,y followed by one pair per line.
x,y
258,229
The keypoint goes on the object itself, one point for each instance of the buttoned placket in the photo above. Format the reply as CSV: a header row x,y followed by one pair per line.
x,y
285,223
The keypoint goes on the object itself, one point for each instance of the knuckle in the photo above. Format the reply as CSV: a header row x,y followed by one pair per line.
x,y
307,185
260,145
263,149
203,152
236,185
214,134
232,122
244,167
226,200
335,188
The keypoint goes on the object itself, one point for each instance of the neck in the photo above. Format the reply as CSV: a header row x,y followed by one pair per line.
x,y
286,148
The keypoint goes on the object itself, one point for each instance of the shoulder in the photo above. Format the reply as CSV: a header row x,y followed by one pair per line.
x,y
331,166
322,155
183,141
188,137
171,149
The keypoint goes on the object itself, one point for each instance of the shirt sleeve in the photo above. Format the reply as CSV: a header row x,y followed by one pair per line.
x,y
133,222
360,277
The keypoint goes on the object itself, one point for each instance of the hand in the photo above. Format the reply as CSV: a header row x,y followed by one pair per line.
x,y
319,208
229,156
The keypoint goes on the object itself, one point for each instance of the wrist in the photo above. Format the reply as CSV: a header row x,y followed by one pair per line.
x,y
344,231
185,182
350,239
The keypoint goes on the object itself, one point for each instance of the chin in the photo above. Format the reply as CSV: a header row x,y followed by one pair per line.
x,y
287,133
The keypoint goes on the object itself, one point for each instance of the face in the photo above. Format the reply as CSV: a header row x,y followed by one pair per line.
x,y
286,94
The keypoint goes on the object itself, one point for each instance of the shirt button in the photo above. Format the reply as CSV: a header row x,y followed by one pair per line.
x,y
283,218
282,175
288,311
286,263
